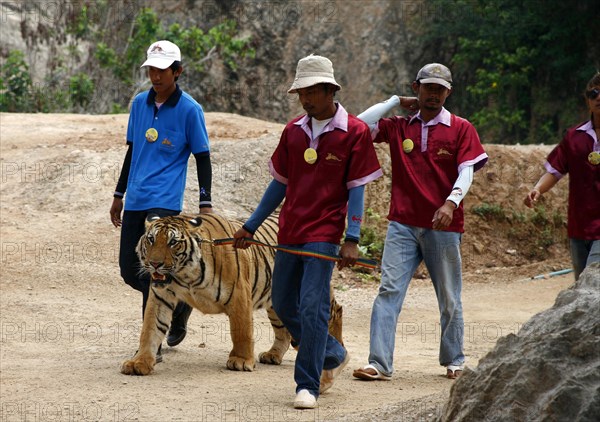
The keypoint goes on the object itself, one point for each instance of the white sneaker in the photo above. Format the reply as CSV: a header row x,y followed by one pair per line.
x,y
328,375
305,400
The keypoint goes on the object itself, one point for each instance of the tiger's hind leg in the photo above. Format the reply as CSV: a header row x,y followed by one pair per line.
x,y
281,344
159,311
335,318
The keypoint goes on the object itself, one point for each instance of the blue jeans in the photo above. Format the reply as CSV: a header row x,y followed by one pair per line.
x,y
405,248
300,297
583,253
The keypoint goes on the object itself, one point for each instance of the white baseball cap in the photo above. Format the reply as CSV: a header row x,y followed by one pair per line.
x,y
162,54
313,70
435,73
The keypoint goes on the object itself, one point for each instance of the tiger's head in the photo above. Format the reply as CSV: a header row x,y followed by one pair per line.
x,y
165,248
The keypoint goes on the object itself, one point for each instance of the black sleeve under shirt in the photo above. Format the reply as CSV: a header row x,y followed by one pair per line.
x,y
124,176
204,169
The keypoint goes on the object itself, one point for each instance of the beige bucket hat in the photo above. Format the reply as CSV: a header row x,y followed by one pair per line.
x,y
313,70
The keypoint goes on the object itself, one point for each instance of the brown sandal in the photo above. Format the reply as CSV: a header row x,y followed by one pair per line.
x,y
370,373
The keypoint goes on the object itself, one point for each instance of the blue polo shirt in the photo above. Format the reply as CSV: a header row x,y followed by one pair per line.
x,y
159,169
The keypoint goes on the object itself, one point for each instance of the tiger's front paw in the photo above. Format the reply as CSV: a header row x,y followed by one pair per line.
x,y
142,365
270,358
236,363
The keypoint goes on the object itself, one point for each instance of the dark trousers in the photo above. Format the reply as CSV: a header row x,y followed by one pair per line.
x,y
132,229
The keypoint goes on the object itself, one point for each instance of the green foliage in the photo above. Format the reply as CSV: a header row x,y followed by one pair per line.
x,y
118,109
81,89
195,45
541,218
545,230
372,240
545,238
518,217
79,24
224,34
2,95
15,94
490,211
50,98
558,219
107,57
519,66
19,94
497,85
145,32
125,65
368,278
68,90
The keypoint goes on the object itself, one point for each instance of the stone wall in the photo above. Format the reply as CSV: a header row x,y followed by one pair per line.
x,y
374,46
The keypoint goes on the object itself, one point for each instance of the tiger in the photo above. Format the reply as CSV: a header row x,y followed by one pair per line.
x,y
185,265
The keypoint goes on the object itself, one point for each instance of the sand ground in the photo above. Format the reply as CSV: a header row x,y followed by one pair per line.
x,y
67,320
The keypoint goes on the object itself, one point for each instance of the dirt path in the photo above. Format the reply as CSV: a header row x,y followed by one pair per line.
x,y
67,320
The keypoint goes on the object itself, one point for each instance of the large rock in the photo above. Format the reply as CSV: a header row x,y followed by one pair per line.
x,y
550,370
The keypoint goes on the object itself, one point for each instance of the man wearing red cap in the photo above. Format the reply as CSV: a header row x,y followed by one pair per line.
x,y
166,125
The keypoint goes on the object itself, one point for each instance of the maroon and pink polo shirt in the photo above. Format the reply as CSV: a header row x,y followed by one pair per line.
x,y
423,177
571,156
316,198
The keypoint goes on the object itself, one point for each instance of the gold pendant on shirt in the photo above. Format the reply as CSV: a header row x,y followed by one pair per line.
x,y
594,157
310,155
408,145
151,135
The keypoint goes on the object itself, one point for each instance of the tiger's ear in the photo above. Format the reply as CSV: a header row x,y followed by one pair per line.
x,y
150,219
196,221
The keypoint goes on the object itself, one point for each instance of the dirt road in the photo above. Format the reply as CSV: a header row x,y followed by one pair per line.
x,y
67,320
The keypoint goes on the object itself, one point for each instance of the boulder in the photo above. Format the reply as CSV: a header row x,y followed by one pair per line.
x,y
549,370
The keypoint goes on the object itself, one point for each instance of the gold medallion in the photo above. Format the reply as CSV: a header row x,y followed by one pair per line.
x,y
408,145
310,155
594,157
151,135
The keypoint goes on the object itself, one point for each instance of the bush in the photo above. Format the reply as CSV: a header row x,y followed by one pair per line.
x,y
72,90
371,238
493,211
81,88
15,89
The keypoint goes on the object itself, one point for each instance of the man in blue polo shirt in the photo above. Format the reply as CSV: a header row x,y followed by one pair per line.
x,y
166,125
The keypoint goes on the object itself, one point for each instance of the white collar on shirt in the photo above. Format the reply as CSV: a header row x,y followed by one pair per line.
x,y
444,117
588,128
339,121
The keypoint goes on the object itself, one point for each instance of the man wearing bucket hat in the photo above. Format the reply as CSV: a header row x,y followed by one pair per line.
x,y
434,154
166,125
321,165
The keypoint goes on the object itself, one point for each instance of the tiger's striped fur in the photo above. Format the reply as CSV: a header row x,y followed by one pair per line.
x,y
184,265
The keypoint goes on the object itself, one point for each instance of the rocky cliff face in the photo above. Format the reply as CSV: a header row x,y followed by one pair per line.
x,y
373,45
550,370
373,51
38,30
